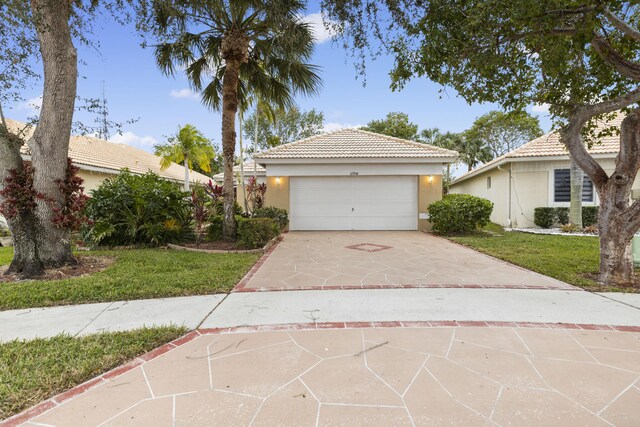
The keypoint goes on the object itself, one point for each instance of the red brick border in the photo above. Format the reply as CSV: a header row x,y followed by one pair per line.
x,y
57,400
245,280
241,287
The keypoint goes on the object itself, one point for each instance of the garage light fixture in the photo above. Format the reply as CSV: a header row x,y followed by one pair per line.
x,y
430,179
277,180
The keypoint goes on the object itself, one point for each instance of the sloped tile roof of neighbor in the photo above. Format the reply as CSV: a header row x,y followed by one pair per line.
x,y
549,145
356,144
248,170
109,157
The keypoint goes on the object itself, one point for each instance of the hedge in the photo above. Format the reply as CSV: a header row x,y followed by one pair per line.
x,y
278,215
254,233
548,217
459,213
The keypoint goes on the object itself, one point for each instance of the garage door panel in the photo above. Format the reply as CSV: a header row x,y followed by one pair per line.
x,y
354,203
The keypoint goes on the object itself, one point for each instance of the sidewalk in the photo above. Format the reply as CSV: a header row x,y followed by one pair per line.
x,y
304,307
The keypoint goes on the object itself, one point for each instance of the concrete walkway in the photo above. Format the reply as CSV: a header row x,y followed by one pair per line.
x,y
288,307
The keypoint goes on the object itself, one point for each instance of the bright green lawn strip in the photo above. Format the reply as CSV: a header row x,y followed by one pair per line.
x,y
6,253
32,371
136,274
566,258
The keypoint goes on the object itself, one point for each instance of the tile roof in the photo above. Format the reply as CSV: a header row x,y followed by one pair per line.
x,y
355,144
248,170
97,153
549,145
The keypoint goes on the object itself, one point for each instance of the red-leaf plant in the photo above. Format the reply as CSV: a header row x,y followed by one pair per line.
x,y
200,214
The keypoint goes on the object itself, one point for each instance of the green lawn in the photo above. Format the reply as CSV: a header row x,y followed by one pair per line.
x,y
32,371
136,274
567,258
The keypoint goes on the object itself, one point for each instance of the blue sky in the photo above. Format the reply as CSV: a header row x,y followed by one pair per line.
x,y
135,88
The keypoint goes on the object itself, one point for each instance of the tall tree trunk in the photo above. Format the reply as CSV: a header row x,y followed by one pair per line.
x,y
187,184
242,183
229,110
50,143
25,252
255,141
617,219
575,205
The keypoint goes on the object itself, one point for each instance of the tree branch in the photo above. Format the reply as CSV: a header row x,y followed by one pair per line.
x,y
628,157
613,58
571,138
585,112
621,25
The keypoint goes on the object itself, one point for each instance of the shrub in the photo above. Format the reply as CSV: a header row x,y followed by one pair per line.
x,y
278,215
589,215
214,230
568,228
459,213
138,209
562,216
591,229
256,232
544,217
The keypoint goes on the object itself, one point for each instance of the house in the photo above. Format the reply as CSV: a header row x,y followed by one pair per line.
x,y
260,174
355,180
535,175
99,159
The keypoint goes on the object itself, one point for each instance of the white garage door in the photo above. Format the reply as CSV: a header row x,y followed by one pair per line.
x,y
354,203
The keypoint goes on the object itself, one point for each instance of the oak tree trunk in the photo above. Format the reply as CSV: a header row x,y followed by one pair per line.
x,y
616,263
50,142
25,253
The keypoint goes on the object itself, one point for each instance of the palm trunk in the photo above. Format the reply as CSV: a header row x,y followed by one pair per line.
x,y
241,184
229,110
575,206
187,186
255,141
50,143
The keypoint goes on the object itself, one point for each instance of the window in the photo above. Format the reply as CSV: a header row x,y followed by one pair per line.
x,y
562,187
488,183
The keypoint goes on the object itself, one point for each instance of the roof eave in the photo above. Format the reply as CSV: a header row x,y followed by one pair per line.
x,y
329,160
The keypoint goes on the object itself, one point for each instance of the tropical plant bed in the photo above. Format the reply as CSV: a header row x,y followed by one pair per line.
x,y
86,266
35,370
219,247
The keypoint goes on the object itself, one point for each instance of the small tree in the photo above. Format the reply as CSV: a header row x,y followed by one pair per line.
x,y
188,146
200,211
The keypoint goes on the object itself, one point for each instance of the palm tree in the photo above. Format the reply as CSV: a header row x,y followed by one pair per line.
x,y
186,147
242,46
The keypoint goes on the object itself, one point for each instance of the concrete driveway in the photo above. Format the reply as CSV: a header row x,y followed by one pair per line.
x,y
374,259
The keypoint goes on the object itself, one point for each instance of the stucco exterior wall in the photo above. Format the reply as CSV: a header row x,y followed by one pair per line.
x,y
92,179
429,191
277,194
531,187
240,190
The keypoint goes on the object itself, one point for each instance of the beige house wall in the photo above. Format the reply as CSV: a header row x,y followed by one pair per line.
x,y
92,179
429,191
277,195
531,187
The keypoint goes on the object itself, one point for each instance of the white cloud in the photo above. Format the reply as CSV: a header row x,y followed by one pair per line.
x,y
331,126
183,93
540,108
320,32
32,105
129,138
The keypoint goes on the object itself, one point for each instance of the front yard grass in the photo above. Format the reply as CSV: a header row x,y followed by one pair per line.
x,y
568,258
34,370
136,274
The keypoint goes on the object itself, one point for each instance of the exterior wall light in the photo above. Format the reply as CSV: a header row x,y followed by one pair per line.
x,y
430,179
278,180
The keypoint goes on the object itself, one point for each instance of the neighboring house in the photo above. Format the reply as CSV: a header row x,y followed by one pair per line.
x,y
261,177
355,180
534,175
99,159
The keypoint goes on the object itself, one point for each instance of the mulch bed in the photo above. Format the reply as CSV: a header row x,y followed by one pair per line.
x,y
87,265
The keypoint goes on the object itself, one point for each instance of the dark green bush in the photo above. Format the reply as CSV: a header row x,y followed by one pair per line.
x,y
589,215
459,213
217,208
254,233
214,230
544,217
138,209
278,215
562,216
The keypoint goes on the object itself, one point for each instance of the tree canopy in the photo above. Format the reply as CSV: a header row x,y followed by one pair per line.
x,y
284,126
395,124
502,132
